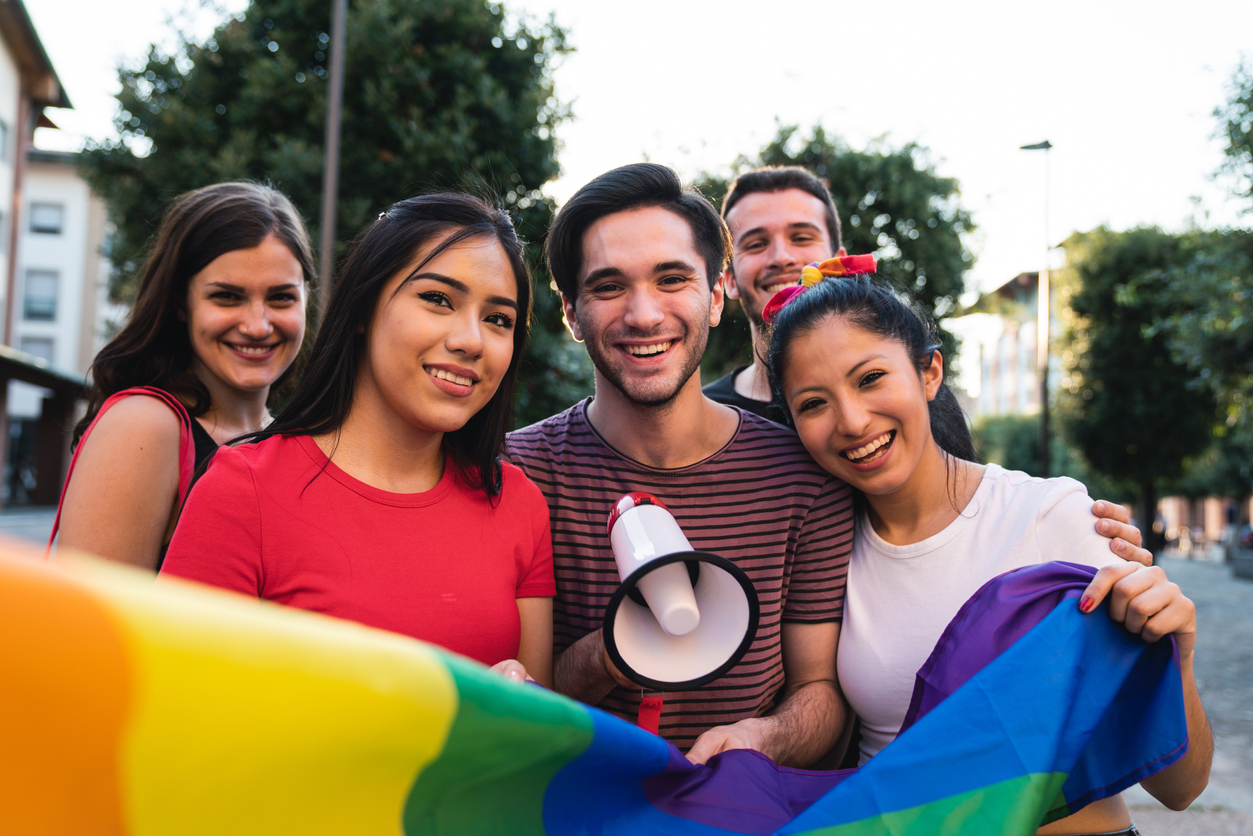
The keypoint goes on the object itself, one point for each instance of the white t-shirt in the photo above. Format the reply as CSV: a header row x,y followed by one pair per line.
x,y
900,598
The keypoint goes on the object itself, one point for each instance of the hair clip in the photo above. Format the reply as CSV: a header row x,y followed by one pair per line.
x,y
812,274
382,215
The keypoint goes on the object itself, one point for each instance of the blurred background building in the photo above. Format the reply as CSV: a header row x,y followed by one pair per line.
x,y
51,234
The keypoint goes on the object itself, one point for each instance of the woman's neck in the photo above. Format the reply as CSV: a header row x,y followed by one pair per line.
x,y
938,490
232,412
378,447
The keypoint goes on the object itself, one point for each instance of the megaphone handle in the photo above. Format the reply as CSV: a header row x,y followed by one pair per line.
x,y
650,711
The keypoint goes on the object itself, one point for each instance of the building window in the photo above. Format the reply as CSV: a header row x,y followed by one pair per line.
x,y
41,347
47,218
41,295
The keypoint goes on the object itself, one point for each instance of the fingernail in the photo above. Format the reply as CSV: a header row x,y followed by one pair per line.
x,y
1105,527
1085,603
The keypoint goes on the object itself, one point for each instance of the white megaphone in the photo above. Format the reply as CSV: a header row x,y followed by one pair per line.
x,y
681,618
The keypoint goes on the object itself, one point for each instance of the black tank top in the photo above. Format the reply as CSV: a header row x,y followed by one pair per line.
x,y
205,445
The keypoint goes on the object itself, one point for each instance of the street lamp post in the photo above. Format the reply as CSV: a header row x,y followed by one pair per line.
x,y
1042,317
330,164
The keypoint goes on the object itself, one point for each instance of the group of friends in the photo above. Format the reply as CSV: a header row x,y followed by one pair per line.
x,y
836,470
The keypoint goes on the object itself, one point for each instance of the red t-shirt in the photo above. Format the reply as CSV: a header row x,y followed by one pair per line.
x,y
276,520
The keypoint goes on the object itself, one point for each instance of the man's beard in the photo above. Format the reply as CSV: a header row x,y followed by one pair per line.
x,y
650,393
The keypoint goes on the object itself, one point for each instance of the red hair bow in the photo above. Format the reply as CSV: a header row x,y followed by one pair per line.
x,y
811,274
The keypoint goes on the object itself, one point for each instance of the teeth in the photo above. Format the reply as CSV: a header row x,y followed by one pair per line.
x,y
252,349
863,452
775,288
646,350
455,378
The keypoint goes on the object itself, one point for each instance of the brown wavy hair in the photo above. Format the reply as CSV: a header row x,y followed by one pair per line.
x,y
154,348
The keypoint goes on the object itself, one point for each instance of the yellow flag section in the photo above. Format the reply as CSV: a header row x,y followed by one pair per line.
x,y
299,723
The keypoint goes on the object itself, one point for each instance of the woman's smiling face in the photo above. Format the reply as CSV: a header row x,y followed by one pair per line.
x,y
245,315
441,339
859,404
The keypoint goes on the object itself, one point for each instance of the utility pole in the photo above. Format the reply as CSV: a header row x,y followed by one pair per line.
x,y
330,165
1042,317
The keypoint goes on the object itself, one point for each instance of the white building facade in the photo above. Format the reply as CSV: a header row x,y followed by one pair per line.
x,y
60,312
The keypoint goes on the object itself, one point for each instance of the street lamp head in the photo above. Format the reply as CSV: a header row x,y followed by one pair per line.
x,y
1039,146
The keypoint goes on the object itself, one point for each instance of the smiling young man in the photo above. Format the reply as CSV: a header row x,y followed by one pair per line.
x,y
637,259
780,218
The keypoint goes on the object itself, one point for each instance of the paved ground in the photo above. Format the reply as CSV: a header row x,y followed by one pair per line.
x,y
1224,671
33,524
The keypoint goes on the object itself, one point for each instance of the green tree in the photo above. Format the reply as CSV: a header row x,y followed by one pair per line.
x,y
1235,119
891,203
1013,441
438,94
1126,403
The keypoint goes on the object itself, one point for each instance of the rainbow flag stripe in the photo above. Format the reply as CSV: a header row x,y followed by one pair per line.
x,y
135,708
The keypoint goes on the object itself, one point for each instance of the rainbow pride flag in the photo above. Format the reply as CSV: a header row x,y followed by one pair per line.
x,y
133,708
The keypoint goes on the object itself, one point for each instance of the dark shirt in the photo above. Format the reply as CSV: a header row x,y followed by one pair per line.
x,y
723,391
205,445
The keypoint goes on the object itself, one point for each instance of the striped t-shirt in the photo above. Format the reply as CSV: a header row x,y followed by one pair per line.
x,y
760,501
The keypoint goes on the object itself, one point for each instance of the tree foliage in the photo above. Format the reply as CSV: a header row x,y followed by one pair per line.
x,y
438,94
1126,403
1235,119
1209,326
891,202
1013,441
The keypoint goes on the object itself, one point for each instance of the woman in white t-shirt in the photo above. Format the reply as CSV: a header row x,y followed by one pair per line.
x,y
860,375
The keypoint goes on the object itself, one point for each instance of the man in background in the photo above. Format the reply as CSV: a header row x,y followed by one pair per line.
x,y
781,218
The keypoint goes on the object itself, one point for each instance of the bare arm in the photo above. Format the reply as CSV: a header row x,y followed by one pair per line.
x,y
122,495
535,651
1146,603
808,720
583,671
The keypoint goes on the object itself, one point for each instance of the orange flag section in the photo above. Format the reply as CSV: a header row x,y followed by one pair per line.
x,y
66,693
141,707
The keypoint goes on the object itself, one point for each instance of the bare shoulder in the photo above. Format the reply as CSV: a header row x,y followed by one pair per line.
x,y
137,421
138,435
122,494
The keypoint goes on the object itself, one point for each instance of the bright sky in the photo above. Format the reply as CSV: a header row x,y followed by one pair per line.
x,y
1124,90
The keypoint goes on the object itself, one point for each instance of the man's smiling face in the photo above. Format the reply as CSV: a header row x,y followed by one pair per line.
x,y
775,234
643,306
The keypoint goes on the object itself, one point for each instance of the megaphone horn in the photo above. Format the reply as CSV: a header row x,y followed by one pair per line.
x,y
681,618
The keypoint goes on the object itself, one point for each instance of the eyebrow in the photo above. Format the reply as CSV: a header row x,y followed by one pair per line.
x,y
759,230
460,287
660,267
240,289
675,266
847,374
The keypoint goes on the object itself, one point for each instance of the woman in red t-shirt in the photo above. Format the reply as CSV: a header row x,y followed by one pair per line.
x,y
377,494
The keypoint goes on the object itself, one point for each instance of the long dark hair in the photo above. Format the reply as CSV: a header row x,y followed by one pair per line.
x,y
873,306
323,398
154,348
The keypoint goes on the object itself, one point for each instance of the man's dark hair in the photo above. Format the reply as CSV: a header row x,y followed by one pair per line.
x,y
635,186
780,178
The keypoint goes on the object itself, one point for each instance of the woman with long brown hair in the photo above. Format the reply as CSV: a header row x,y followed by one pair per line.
x,y
219,320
